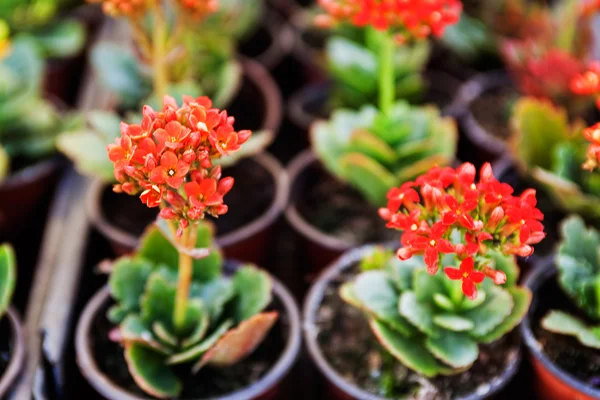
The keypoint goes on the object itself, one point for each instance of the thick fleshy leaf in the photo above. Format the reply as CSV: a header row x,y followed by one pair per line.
x,y
468,304
127,283
417,313
198,333
370,145
411,352
453,348
378,297
239,342
163,334
158,301
492,312
522,300
426,285
134,330
443,302
565,324
8,276
149,371
453,322
215,294
198,350
352,64
402,272
371,178
88,152
230,80
62,39
253,288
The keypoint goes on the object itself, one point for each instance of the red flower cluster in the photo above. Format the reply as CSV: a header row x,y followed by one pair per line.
x,y
123,8
198,9
417,18
169,158
588,82
592,134
445,202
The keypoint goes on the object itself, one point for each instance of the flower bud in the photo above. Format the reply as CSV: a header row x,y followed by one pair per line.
x,y
225,185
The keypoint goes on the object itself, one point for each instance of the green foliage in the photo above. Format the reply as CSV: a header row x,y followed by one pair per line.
x,y
565,324
353,61
8,276
552,151
225,318
426,322
470,39
374,152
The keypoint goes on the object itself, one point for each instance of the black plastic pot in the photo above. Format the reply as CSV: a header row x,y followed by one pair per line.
x,y
264,389
338,386
552,383
17,353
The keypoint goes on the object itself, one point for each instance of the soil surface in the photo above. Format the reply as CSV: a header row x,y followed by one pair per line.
x,y
338,210
251,196
492,111
582,363
352,350
209,382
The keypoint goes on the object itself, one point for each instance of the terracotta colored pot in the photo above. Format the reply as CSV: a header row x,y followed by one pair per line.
x,y
265,389
23,191
337,386
272,41
249,242
487,146
17,355
552,383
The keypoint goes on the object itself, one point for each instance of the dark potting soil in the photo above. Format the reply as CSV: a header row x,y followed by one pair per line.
x,y
492,111
350,347
583,363
209,382
339,210
5,345
251,196
257,43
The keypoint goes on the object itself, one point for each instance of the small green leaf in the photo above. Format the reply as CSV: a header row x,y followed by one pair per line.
x,y
565,324
149,371
202,347
522,300
426,285
8,276
134,330
62,39
417,313
453,348
365,142
367,175
87,150
491,313
253,288
402,272
163,334
215,294
443,302
158,301
127,283
453,322
230,80
468,304
198,333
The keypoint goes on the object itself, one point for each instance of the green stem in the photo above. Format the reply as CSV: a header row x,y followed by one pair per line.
x,y
387,85
159,41
569,19
188,240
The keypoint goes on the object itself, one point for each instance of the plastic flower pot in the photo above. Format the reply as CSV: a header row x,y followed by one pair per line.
x,y
552,382
484,101
265,388
339,386
22,192
13,348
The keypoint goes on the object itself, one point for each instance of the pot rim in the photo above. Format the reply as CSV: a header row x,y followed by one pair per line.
x,y
31,173
296,167
544,270
282,40
298,100
311,304
280,200
467,94
17,359
103,385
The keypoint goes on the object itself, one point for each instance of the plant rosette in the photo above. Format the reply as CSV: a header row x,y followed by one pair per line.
x,y
561,327
434,323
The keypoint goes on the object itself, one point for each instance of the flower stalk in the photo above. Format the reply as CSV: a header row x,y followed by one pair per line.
x,y
386,72
159,39
188,240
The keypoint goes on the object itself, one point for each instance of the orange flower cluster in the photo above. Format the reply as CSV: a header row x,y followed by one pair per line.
x,y
123,8
198,9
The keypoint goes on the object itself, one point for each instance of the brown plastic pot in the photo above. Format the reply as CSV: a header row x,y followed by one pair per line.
x,y
552,383
249,242
337,386
17,356
487,146
23,191
267,388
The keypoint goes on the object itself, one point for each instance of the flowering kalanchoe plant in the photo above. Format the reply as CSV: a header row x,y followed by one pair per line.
x,y
446,204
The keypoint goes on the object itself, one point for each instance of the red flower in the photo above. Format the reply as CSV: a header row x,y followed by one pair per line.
x,y
171,170
460,212
203,194
470,277
404,196
432,244
152,196
121,152
172,136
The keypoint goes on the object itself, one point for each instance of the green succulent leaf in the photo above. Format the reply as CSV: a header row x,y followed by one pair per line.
x,y
158,301
230,80
417,313
352,64
364,142
198,333
565,324
522,300
470,38
377,295
198,350
62,39
253,288
215,294
453,322
127,283
426,285
402,272
492,312
411,352
453,348
134,330
444,302
88,152
8,276
163,334
148,369
367,175
468,304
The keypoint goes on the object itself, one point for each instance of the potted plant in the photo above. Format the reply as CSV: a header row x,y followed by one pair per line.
x,y
121,220
367,151
351,52
560,330
58,34
440,313
171,303
30,124
12,342
542,59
